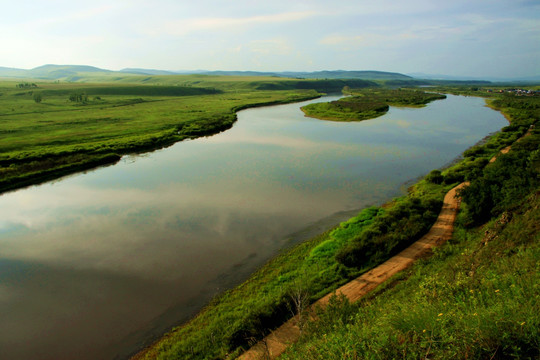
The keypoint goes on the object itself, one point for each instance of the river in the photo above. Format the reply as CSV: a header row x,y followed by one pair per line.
x,y
95,264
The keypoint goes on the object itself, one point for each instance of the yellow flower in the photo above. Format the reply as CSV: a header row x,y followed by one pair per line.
x,y
441,314
497,290
425,329
523,323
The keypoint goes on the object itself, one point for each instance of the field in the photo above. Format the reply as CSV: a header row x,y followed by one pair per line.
x,y
50,129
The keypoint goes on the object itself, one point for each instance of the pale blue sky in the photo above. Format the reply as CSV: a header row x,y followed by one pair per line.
x,y
467,38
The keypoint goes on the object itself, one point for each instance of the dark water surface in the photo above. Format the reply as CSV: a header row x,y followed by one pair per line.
x,y
94,264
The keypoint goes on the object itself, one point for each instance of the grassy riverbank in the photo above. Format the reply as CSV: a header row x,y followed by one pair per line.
x,y
237,318
366,104
51,129
477,297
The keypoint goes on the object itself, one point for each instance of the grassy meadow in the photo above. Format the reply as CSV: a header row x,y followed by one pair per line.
x,y
49,129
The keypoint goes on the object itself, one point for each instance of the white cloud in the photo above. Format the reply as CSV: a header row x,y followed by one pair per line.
x,y
186,26
270,47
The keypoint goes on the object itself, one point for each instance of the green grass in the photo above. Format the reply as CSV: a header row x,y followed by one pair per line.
x,y
80,124
459,304
368,104
39,140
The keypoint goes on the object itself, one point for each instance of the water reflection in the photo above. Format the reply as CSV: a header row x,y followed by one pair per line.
x,y
90,264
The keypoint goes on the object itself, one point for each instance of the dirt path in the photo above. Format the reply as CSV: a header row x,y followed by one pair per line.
x,y
507,149
276,343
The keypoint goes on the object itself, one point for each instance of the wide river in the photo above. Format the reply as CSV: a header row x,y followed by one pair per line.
x,y
94,264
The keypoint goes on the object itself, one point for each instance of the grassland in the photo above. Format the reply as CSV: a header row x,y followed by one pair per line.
x,y
368,104
49,129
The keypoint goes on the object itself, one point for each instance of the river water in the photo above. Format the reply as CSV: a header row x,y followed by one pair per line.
x,y
95,264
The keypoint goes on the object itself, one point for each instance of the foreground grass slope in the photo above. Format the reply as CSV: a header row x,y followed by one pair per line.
x,y
478,297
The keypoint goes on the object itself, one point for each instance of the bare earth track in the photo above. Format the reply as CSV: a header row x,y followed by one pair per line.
x,y
276,343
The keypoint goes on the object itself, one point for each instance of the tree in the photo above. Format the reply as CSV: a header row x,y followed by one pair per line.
x,y
78,97
37,97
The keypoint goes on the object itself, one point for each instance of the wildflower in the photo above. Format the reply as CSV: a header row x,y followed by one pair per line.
x,y
471,291
497,290
425,329
523,323
441,314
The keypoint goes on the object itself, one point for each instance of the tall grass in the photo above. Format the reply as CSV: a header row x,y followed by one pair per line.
x,y
476,298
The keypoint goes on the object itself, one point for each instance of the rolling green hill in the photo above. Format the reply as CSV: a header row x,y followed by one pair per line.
x,y
83,72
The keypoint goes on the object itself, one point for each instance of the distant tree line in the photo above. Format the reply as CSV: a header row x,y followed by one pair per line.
x,y
26,85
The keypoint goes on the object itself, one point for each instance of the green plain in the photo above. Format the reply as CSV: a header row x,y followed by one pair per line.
x,y
49,129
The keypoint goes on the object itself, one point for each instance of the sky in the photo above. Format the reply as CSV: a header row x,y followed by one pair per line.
x,y
463,38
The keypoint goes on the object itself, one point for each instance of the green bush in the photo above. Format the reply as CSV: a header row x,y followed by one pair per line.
x,y
435,177
502,183
391,232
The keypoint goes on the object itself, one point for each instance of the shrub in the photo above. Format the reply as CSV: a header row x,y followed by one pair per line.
x,y
391,232
435,177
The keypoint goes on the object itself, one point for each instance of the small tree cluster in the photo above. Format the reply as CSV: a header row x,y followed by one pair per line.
x,y
26,85
37,97
78,97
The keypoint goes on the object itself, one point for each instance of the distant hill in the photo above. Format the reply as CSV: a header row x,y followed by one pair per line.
x,y
343,74
53,72
148,71
77,72
11,72
326,74
235,73
89,73
69,72
442,77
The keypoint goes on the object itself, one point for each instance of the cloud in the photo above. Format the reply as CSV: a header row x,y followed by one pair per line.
x,y
270,47
186,26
